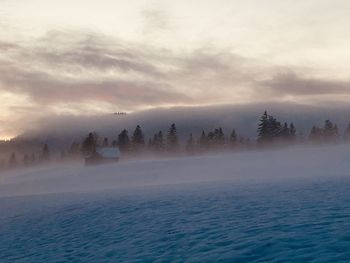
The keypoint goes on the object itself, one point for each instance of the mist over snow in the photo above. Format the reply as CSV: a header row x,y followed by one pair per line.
x,y
293,163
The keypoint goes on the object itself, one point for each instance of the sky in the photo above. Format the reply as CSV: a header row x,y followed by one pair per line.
x,y
75,57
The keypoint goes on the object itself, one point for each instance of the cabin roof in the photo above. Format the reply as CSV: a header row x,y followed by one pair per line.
x,y
108,152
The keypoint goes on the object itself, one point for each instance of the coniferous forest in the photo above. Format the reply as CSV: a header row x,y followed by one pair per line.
x,y
270,132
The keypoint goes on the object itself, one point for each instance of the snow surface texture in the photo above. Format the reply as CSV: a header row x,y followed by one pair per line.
x,y
290,205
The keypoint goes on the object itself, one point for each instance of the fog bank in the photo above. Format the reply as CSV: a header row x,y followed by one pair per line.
x,y
299,163
243,118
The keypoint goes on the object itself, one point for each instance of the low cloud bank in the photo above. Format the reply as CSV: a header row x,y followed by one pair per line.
x,y
243,118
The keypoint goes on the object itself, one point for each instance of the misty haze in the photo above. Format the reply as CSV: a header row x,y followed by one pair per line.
x,y
174,131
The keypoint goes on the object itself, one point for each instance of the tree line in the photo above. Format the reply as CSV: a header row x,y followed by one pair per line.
x,y
28,159
168,143
270,131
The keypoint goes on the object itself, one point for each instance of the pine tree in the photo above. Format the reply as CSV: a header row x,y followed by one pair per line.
x,y
269,129
233,138
275,127
202,141
124,141
292,132
328,130
263,129
138,139
285,132
219,137
172,140
89,144
157,142
211,139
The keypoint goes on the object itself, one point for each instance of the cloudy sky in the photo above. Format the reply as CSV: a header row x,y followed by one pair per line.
x,y
75,57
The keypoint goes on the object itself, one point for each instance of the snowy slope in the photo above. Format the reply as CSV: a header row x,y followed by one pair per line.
x,y
290,205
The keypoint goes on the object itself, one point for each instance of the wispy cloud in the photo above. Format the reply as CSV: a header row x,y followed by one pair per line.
x,y
289,83
65,67
77,69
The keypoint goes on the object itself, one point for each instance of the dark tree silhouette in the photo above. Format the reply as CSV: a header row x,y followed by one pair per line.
x,y
138,139
157,141
275,127
264,134
219,137
172,139
330,131
285,132
160,141
233,138
292,132
124,141
269,129
203,141
211,139
89,144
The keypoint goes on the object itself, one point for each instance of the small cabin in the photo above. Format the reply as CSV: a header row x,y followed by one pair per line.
x,y
103,155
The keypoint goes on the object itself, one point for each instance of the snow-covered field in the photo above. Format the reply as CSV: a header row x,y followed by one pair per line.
x,y
286,205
